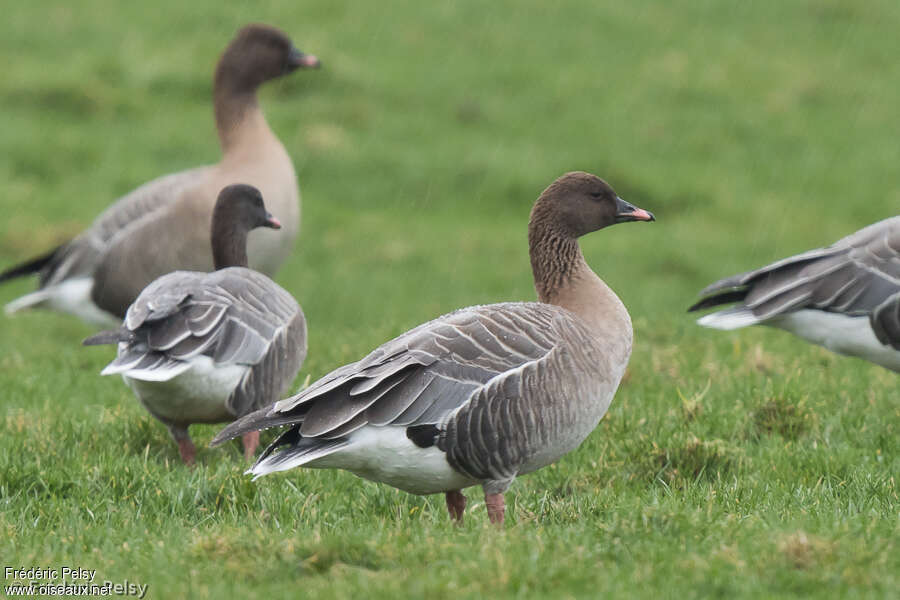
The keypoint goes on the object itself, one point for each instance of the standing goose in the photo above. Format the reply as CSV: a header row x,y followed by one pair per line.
x,y
210,347
163,225
845,297
483,394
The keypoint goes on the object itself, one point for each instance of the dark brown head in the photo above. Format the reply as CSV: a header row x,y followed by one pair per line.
x,y
257,54
578,203
239,209
241,206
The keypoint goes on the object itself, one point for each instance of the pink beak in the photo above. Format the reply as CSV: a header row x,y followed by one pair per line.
x,y
272,222
640,214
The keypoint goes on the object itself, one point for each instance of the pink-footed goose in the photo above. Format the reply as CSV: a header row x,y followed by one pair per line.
x,y
211,347
845,297
483,394
164,224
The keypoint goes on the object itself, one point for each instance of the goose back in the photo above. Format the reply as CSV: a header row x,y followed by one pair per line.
x,y
79,257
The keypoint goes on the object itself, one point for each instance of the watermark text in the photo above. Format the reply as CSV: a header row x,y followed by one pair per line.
x,y
66,581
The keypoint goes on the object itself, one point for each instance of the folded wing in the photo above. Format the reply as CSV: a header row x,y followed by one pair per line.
x,y
416,378
234,316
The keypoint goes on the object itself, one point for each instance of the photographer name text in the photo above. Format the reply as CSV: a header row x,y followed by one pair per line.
x,y
66,581
49,573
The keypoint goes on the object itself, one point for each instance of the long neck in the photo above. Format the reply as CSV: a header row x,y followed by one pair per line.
x,y
237,109
562,277
229,244
555,258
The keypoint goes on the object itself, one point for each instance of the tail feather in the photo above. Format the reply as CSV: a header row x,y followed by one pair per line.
x,y
136,362
732,318
113,336
299,451
29,267
165,372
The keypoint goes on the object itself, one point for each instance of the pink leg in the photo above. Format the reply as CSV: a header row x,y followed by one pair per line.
x,y
251,441
456,505
187,450
495,507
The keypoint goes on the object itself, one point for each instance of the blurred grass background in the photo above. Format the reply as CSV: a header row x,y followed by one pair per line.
x,y
730,464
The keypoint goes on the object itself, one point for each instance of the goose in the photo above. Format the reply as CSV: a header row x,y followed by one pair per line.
x,y
480,395
845,297
163,225
210,347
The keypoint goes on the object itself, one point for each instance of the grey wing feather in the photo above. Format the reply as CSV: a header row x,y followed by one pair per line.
x,y
81,256
458,353
854,276
417,395
490,436
234,316
271,376
423,375
522,412
322,416
144,199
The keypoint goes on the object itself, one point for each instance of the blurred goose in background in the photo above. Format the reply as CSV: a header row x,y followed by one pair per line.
x,y
481,395
164,224
210,347
845,297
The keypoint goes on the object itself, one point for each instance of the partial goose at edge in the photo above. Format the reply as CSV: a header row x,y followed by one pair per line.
x,y
845,297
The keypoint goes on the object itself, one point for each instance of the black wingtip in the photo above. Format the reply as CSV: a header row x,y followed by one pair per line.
x,y
719,299
29,267
700,305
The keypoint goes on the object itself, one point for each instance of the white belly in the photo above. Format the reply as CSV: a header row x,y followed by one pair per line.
x,y
839,333
385,454
197,395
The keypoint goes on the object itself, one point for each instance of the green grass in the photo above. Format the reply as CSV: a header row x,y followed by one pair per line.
x,y
743,464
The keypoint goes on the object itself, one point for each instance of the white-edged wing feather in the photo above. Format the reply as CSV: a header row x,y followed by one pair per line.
x,y
233,316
